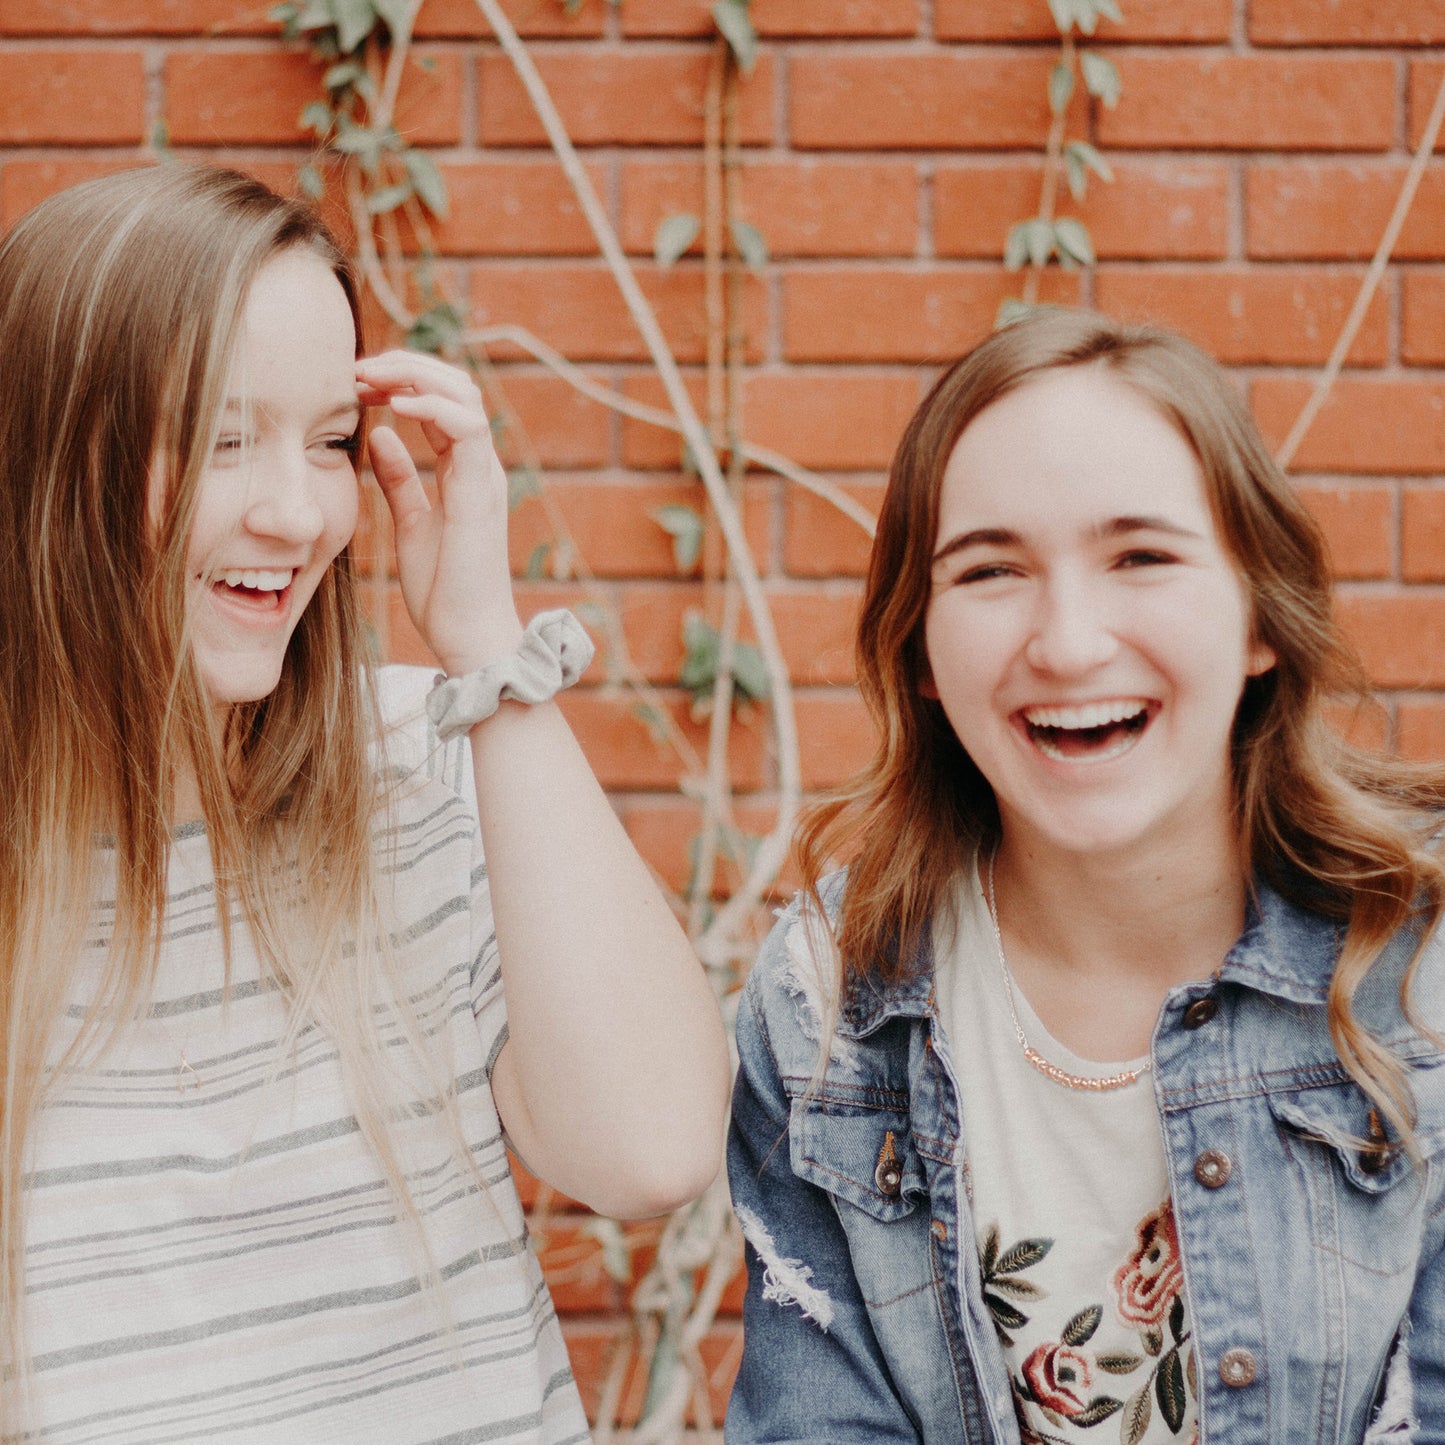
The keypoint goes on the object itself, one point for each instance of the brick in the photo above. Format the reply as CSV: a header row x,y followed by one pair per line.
x,y
665,832
553,422
255,97
1422,534
831,419
803,207
926,101
1252,102
1346,22
655,448
1153,209
1400,636
1426,78
572,1261
1365,724
579,310
819,541
597,93
1422,333
532,19
776,17
624,753
1372,425
25,183
54,95
514,208
1421,730
134,17
1245,317
1359,526
836,736
1327,209
1199,20
849,314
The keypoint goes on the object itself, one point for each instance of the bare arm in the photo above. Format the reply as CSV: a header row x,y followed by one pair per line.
x,y
613,1082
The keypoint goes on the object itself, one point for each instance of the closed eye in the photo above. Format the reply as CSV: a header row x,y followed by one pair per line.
x,y
985,572
1144,557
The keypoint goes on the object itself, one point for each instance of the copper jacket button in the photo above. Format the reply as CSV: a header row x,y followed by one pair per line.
x,y
1200,1012
1238,1367
1213,1168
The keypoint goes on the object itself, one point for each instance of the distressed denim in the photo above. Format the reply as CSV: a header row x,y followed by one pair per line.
x,y
1313,1269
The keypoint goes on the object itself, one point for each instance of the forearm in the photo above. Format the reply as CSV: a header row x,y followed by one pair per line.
x,y
613,1084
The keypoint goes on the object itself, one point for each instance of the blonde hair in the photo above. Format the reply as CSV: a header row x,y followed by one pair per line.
x,y
1332,829
120,307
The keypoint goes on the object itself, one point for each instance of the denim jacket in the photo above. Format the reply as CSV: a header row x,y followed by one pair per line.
x,y
1313,1266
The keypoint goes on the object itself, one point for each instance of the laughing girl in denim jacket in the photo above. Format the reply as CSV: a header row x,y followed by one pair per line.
x,y
1101,1098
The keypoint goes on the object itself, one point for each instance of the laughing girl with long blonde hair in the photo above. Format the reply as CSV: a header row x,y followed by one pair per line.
x,y
268,995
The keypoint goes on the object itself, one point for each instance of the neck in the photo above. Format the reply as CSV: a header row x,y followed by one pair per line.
x,y
1168,915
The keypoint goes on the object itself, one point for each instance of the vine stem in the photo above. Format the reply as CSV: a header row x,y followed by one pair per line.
x,y
1049,189
580,382
712,946
1370,284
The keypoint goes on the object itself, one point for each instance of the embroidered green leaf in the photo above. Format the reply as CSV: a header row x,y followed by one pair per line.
x,y
1153,1340
1053,1417
1137,1413
1004,1313
1023,1255
990,1250
1169,1390
1176,1319
1016,1288
673,236
1080,1329
1097,1410
1118,1362
1191,1376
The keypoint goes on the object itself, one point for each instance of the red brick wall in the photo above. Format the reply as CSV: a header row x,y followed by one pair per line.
x,y
1258,146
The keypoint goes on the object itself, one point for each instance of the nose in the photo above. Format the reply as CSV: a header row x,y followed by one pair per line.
x,y
282,501
1072,631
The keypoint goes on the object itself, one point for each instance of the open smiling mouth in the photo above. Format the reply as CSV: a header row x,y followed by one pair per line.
x,y
1090,732
263,590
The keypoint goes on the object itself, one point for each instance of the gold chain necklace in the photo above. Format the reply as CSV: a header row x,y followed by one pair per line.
x,y
1100,1085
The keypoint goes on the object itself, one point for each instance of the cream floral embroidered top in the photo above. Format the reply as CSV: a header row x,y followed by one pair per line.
x,y
1080,1260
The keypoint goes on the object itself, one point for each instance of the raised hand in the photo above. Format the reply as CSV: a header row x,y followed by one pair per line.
x,y
452,552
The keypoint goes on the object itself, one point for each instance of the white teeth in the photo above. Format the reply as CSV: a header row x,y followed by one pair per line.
x,y
1086,715
256,581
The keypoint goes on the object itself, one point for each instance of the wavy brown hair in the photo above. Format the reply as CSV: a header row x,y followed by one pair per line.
x,y
1333,829
121,301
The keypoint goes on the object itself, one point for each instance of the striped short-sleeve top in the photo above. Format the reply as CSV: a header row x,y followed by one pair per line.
x,y
212,1251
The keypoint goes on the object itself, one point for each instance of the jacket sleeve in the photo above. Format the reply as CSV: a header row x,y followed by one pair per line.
x,y
1415,1378
812,1372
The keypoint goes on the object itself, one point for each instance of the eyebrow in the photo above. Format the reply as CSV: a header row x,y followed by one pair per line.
x,y
1114,527
346,408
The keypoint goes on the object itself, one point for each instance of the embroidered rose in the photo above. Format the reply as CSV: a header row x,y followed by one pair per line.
x,y
1059,1377
1147,1283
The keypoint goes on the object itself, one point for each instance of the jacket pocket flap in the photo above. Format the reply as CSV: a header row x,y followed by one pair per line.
x,y
1340,1118
862,1154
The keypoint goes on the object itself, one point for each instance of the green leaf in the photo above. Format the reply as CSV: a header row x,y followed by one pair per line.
x,y
1080,1329
1101,80
702,644
736,24
536,567
1086,15
1169,1390
1063,13
1041,241
315,15
347,72
990,1250
436,330
616,1253
1004,1313
393,12
1075,174
1072,239
673,236
1109,9
522,482
1153,1340
318,117
1023,1255
685,526
652,719
1016,1288
311,183
355,20
1119,1362
751,246
1176,1319
1137,1412
1096,1411
750,672
1016,248
1081,157
1061,88
388,198
427,181
1191,1376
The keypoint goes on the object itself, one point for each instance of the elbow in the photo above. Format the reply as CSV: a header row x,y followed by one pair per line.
x,y
671,1175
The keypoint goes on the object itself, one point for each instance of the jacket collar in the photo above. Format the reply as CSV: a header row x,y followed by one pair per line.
x,y
1284,951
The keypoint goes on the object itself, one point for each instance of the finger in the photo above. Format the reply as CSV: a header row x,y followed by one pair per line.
x,y
445,420
397,477
398,370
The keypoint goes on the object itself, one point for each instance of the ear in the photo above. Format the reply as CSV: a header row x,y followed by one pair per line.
x,y
927,687
1260,659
